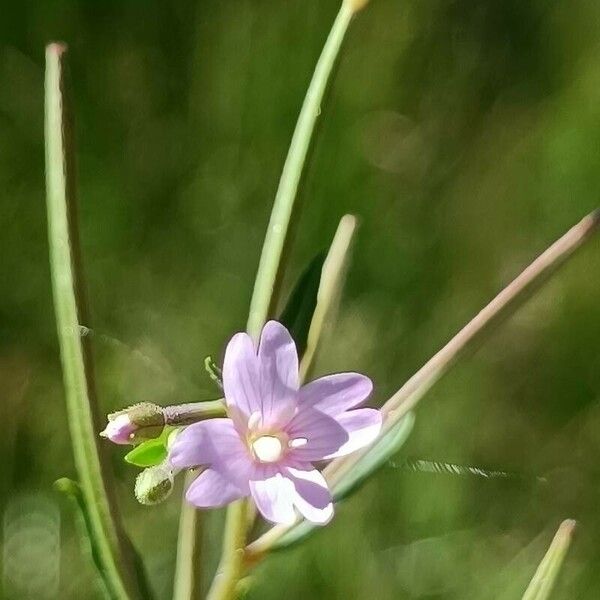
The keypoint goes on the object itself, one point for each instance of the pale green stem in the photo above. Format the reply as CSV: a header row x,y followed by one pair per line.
x,y
95,479
283,205
465,341
545,576
231,566
187,582
332,277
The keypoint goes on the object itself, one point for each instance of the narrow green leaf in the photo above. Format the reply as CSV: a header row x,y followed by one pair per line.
x,y
544,579
298,312
388,445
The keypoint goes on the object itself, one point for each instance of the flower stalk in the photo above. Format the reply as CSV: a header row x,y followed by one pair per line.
x,y
231,566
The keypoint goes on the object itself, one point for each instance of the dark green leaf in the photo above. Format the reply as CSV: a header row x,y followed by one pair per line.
x,y
297,315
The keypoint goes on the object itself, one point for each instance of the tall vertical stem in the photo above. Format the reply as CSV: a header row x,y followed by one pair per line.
x,y
108,540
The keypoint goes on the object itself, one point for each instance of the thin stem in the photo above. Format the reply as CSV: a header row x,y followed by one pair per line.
x,y
465,341
543,581
186,414
277,230
187,583
113,555
231,566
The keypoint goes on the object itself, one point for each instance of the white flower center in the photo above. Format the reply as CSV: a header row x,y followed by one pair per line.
x,y
267,448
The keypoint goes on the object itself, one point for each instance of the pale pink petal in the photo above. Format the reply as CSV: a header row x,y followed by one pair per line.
x,y
212,489
241,376
210,442
314,435
278,360
362,426
334,394
273,494
120,430
312,498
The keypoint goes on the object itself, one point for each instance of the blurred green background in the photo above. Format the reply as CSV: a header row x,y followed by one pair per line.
x,y
466,137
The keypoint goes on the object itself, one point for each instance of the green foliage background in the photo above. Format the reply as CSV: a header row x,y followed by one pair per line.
x,y
465,135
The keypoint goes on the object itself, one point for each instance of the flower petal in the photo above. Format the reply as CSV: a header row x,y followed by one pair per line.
x,y
273,494
334,394
362,427
323,434
278,361
210,442
241,375
312,498
212,489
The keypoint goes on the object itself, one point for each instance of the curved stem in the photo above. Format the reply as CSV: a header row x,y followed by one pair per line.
x,y
283,205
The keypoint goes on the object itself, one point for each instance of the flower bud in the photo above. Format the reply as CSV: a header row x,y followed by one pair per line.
x,y
155,484
134,424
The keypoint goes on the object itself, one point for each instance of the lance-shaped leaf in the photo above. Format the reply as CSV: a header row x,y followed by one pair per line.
x,y
298,312
329,290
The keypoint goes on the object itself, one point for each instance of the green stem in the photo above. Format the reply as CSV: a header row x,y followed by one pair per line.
x,y
187,584
113,555
543,581
231,566
277,230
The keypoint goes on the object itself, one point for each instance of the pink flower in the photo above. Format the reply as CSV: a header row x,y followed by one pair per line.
x,y
275,432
